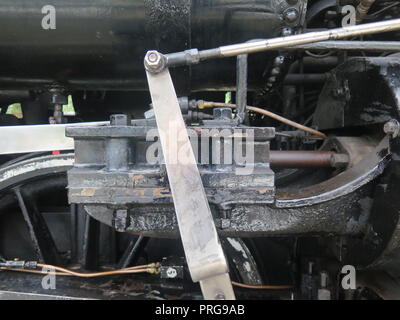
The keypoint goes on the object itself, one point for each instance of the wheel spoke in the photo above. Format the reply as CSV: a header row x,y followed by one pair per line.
x,y
89,257
40,235
74,231
132,252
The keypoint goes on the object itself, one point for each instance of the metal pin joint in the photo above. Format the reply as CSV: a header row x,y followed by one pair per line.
x,y
154,61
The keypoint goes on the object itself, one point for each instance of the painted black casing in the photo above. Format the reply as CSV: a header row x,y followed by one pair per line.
x,y
100,44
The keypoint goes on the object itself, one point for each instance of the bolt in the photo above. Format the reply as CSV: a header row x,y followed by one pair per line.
x,y
272,79
225,223
324,279
171,273
338,92
220,296
222,113
119,120
279,60
121,220
152,57
392,127
154,61
57,98
310,267
149,114
291,15
287,32
275,71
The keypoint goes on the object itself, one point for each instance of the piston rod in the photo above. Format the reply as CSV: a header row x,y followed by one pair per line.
x,y
306,159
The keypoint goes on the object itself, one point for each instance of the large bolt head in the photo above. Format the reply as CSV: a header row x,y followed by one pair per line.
x,y
291,15
154,61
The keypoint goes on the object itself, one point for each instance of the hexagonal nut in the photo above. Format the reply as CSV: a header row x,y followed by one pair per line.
x,y
58,98
154,61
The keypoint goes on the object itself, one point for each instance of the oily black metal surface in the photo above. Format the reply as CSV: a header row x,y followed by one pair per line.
x,y
361,91
138,200
380,245
99,44
144,185
343,216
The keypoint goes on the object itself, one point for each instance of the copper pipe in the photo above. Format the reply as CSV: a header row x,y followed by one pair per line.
x,y
149,268
208,104
90,275
302,159
287,121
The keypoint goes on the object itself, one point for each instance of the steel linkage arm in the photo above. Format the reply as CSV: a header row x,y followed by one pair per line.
x,y
204,254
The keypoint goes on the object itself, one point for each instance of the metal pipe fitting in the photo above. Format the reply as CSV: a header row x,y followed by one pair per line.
x,y
362,9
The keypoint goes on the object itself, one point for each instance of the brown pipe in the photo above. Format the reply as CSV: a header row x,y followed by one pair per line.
x,y
307,159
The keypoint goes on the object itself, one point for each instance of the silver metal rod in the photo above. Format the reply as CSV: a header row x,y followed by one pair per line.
x,y
350,45
37,138
194,56
305,38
